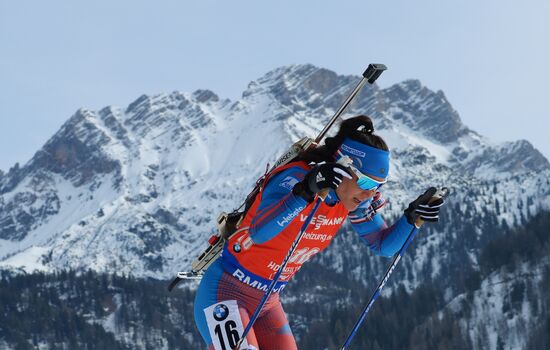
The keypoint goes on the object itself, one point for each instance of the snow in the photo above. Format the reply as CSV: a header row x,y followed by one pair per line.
x,y
401,137
30,260
76,204
488,324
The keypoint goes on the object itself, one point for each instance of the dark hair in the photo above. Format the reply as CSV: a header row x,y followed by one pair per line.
x,y
358,128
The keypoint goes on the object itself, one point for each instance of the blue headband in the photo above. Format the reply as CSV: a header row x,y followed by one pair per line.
x,y
369,160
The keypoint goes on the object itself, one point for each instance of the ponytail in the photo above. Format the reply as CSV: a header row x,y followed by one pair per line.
x,y
359,128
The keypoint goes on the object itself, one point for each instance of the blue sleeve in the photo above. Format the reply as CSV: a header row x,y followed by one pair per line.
x,y
383,240
279,206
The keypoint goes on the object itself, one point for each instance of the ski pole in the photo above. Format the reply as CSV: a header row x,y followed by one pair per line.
x,y
280,271
441,193
373,71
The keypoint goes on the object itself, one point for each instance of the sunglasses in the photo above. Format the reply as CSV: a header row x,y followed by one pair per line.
x,y
366,182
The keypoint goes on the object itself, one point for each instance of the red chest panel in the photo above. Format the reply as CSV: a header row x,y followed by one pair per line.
x,y
264,259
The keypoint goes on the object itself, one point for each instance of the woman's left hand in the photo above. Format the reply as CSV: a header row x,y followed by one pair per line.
x,y
424,207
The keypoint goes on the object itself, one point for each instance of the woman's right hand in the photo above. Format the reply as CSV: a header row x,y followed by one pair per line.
x,y
325,176
322,176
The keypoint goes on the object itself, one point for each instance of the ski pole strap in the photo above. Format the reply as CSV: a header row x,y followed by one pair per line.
x,y
279,272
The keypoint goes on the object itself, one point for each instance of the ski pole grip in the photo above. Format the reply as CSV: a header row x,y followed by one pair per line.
x,y
371,74
441,193
373,71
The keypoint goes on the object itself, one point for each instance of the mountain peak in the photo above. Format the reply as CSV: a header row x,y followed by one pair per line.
x,y
411,85
305,87
140,102
520,155
205,96
426,111
300,77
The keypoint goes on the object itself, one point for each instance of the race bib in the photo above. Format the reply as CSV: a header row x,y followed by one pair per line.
x,y
225,325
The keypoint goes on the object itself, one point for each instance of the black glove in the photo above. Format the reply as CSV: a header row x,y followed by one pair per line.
x,y
421,208
327,175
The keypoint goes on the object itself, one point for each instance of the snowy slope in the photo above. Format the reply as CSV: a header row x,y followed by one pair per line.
x,y
506,307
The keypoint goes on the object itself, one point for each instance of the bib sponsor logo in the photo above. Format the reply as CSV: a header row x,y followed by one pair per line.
x,y
317,237
285,220
252,282
221,311
322,220
287,273
289,182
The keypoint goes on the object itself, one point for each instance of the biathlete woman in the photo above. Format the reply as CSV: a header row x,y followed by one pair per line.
x,y
235,283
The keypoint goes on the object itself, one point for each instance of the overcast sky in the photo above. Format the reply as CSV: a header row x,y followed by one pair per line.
x,y
489,57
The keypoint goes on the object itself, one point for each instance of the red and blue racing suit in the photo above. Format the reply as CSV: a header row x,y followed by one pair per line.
x,y
251,257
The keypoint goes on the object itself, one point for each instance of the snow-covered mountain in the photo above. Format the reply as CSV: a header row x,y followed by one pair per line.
x,y
137,190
